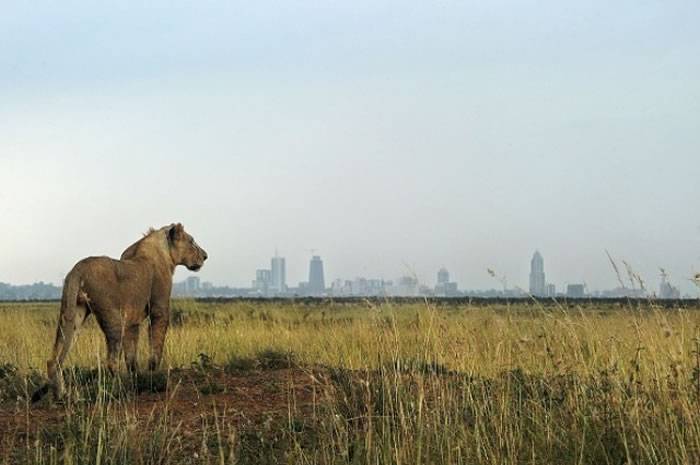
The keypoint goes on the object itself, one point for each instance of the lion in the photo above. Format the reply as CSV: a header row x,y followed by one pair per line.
x,y
122,294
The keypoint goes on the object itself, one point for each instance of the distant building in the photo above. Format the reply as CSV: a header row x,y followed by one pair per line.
x,y
575,291
191,285
208,289
445,288
443,276
406,286
302,289
499,293
263,280
666,290
620,292
537,279
359,287
278,278
550,290
340,288
376,287
317,283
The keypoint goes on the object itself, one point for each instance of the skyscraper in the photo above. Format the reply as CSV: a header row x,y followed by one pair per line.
x,y
279,274
443,276
317,284
537,281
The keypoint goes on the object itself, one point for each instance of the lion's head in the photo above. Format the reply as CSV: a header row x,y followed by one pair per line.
x,y
184,250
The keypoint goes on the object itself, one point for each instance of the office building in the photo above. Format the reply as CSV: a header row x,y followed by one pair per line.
x,y
445,288
278,277
263,280
550,290
191,285
317,283
537,279
575,291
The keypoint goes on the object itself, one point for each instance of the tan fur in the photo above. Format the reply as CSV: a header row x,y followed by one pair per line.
x,y
122,294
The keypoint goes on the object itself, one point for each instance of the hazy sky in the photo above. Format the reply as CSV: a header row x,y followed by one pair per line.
x,y
392,137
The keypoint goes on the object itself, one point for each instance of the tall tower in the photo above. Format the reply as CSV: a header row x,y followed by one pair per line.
x,y
279,273
317,284
443,276
537,281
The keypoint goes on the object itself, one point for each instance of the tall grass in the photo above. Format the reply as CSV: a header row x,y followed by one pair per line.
x,y
406,384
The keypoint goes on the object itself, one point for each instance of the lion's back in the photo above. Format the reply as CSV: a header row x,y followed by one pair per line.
x,y
110,283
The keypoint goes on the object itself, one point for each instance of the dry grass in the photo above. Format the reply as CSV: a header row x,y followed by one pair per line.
x,y
400,384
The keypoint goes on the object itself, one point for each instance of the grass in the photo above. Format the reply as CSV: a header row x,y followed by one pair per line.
x,y
404,384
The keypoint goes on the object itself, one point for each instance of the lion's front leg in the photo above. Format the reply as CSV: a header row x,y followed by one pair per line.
x,y
157,331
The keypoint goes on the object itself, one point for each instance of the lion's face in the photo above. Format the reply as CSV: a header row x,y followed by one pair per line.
x,y
184,250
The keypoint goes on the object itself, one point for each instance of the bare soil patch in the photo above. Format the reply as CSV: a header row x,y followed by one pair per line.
x,y
251,401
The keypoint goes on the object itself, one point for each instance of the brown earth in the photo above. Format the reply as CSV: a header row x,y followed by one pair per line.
x,y
247,400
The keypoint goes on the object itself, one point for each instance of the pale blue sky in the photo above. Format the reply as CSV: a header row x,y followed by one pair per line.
x,y
390,136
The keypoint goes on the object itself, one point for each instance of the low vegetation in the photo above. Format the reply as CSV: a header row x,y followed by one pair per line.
x,y
363,383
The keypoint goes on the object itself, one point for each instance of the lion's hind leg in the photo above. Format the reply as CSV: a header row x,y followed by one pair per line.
x,y
130,347
69,322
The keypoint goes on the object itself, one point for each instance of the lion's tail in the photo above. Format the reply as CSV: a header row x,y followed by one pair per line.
x,y
69,302
71,287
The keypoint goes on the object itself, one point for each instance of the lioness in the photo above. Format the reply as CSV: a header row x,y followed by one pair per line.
x,y
122,293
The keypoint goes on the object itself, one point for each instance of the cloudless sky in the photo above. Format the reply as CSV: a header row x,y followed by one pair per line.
x,y
392,137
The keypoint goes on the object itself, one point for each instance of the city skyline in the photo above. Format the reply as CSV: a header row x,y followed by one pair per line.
x,y
444,286
548,287
273,281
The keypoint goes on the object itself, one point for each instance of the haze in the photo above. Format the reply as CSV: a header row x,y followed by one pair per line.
x,y
392,137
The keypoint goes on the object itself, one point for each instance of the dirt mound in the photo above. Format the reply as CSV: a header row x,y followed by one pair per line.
x,y
189,398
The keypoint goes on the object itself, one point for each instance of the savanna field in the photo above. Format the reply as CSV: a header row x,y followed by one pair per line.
x,y
364,383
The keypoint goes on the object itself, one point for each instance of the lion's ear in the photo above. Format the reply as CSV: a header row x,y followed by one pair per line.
x,y
175,231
